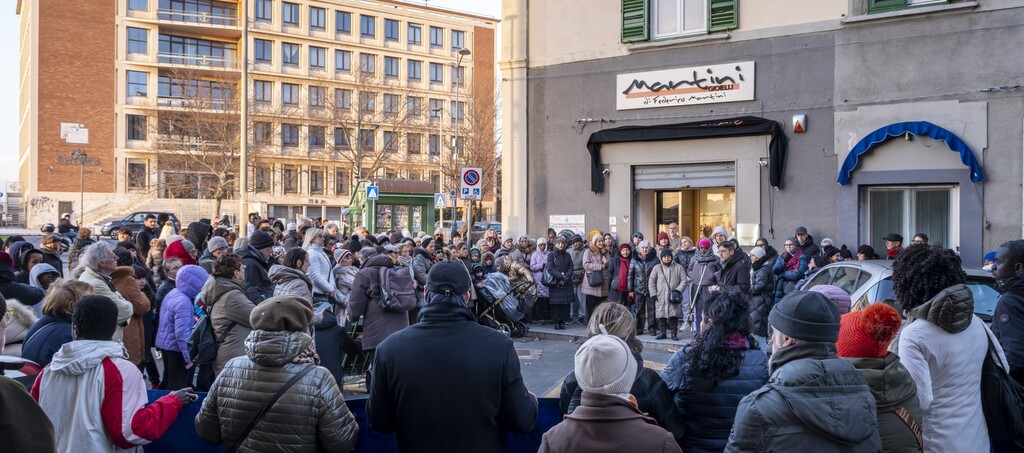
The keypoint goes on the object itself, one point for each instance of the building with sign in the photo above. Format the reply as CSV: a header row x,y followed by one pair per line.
x,y
338,92
854,118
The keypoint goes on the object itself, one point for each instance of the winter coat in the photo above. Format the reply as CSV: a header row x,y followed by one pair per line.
x,y
421,263
45,338
1008,324
18,320
199,233
538,260
517,274
26,429
102,286
413,364
291,281
735,274
663,280
110,409
653,398
640,272
143,238
762,295
893,389
559,265
256,274
292,240
319,273
365,301
703,273
76,250
53,259
943,348
11,289
227,304
809,248
177,250
684,257
521,256
788,270
343,278
606,423
592,262
206,261
577,264
708,407
807,405
37,270
123,279
176,318
310,417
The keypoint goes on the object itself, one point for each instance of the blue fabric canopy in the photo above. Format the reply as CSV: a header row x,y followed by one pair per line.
x,y
882,134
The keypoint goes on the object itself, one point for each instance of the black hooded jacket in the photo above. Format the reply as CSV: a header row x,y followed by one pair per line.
x,y
256,274
11,289
1008,324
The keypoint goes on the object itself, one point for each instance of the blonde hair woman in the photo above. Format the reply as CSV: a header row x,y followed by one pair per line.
x,y
596,263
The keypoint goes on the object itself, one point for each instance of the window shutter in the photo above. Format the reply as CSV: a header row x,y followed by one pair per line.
x,y
722,15
635,23
875,6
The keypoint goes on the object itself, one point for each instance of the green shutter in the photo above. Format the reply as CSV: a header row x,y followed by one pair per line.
x,y
875,6
635,23
722,15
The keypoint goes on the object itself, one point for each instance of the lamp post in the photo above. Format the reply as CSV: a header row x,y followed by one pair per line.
x,y
80,157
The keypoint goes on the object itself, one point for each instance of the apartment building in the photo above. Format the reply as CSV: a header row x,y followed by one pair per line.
x,y
854,118
337,92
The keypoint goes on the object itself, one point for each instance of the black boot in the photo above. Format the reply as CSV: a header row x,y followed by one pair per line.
x,y
661,329
673,325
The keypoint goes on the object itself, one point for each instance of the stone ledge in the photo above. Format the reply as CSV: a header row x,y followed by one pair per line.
x,y
915,11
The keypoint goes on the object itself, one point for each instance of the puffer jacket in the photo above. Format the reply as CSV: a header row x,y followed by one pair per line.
x,y
663,280
11,289
176,317
684,257
708,408
1008,324
123,279
653,398
517,274
577,264
319,273
102,286
762,295
291,281
538,260
227,304
735,274
312,416
807,405
894,390
702,274
789,270
640,272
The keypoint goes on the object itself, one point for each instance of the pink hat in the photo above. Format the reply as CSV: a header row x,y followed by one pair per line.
x,y
704,242
836,294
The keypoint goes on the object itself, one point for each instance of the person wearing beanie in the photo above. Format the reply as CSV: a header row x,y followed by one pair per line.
x,y
812,394
702,275
640,268
488,397
310,415
827,248
665,279
805,242
561,295
662,242
840,298
864,338
762,289
607,419
215,247
718,236
619,287
256,260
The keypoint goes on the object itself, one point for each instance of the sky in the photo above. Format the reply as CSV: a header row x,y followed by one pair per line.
x,y
10,32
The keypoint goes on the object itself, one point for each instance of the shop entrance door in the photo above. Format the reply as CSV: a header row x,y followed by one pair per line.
x,y
697,211
698,196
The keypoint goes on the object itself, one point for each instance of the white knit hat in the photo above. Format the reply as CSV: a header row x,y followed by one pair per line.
x,y
605,365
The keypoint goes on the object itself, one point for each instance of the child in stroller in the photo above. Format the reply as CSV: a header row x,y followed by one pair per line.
x,y
499,308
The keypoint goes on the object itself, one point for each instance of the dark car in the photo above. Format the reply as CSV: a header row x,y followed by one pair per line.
x,y
134,222
479,228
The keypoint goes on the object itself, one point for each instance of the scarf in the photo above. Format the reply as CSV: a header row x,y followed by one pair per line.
x,y
793,260
704,257
623,286
736,340
308,355
893,251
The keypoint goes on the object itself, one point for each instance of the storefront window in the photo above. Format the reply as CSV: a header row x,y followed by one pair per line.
x,y
909,211
697,211
384,217
417,219
401,217
716,208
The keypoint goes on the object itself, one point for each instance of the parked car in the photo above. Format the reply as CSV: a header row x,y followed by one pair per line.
x,y
871,281
133,222
446,226
479,228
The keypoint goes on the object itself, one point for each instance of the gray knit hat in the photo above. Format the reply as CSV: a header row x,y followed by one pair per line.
x,y
605,365
216,243
807,316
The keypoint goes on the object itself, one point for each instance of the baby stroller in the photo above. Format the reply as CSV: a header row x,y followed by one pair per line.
x,y
499,307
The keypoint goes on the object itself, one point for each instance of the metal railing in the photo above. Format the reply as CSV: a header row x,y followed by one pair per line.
x,y
197,17
198,60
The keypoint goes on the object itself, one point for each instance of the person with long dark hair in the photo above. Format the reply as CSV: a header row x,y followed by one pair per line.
x,y
710,376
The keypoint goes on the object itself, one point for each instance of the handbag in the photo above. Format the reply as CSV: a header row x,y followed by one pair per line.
x,y
1002,398
232,447
595,278
549,280
675,297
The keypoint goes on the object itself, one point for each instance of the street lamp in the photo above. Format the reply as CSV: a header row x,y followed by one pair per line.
x,y
80,157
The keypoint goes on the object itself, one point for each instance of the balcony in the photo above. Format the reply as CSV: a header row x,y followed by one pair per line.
x,y
199,61
209,24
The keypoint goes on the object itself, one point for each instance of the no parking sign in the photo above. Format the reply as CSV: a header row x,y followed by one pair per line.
x,y
472,183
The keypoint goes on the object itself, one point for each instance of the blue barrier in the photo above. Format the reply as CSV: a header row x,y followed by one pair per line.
x,y
182,435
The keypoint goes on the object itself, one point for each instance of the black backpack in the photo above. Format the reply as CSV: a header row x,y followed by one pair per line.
x,y
203,342
395,289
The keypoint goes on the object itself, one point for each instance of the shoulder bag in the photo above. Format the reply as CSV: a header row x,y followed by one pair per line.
x,y
1002,397
232,447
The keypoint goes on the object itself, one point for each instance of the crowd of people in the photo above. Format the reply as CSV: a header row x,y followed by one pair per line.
x,y
772,366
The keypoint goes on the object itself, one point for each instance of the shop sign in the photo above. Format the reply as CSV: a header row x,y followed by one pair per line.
x,y
710,84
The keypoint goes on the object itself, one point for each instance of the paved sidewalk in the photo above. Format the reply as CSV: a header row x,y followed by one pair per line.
x,y
577,333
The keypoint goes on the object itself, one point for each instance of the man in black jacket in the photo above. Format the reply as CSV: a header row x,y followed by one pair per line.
x,y
806,242
50,246
256,260
437,393
146,235
1008,318
735,273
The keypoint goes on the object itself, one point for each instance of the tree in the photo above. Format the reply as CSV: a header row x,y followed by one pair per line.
x,y
475,138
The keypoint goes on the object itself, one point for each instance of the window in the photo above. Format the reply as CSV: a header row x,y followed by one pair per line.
x,y
415,34
458,39
264,50
646,19
458,111
136,127
342,61
317,97
367,102
341,135
390,141
436,37
414,175
414,105
367,63
290,134
433,144
290,13
877,6
343,22
342,99
196,51
261,178
136,174
911,210
138,5
290,93
138,84
316,180
263,90
317,18
391,104
458,75
391,67
436,106
290,176
412,143
414,69
264,10
207,12
262,132
366,139
459,142
341,184
390,30
317,57
436,73
435,180
138,41
316,137
368,26
291,53
677,17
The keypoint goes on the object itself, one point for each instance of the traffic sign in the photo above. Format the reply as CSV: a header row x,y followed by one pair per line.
x,y
440,201
472,183
372,193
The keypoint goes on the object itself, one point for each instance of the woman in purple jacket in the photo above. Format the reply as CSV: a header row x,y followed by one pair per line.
x,y
176,322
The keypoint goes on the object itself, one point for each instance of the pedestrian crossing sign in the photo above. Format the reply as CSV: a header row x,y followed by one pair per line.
x,y
440,202
372,193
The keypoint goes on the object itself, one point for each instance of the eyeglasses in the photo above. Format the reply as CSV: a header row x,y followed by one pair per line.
x,y
790,245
